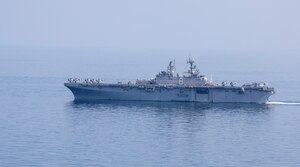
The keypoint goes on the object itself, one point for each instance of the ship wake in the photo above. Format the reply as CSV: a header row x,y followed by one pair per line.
x,y
295,103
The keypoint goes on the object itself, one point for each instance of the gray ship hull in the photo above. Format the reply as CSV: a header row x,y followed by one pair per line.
x,y
204,94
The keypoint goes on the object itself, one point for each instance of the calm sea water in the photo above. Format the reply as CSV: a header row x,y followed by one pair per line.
x,y
40,125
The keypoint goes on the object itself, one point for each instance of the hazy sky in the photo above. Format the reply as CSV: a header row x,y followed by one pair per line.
x,y
266,25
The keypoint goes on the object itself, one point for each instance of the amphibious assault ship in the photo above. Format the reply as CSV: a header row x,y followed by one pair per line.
x,y
169,86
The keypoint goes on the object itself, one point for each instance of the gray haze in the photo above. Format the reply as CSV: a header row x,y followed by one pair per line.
x,y
234,25
76,38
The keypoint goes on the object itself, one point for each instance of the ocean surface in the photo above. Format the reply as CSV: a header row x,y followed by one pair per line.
x,y
40,125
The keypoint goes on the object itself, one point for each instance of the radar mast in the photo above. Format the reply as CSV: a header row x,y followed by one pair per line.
x,y
193,68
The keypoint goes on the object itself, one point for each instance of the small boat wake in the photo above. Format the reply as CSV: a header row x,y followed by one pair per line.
x,y
294,103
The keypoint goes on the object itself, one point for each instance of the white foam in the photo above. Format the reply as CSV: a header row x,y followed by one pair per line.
x,y
283,103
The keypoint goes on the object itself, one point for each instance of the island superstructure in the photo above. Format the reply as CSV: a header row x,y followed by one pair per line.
x,y
170,86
